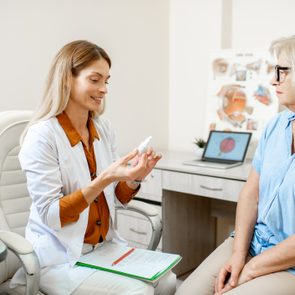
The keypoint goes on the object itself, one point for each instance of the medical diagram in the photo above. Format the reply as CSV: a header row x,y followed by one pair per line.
x,y
240,97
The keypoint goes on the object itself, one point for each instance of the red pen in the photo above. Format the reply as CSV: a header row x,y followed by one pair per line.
x,y
123,256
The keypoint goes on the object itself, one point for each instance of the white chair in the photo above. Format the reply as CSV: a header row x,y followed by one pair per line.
x,y
15,206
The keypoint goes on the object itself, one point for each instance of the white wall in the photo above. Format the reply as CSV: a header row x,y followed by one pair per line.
x,y
197,28
256,23
134,33
160,52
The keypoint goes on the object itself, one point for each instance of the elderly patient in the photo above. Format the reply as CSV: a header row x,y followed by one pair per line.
x,y
260,257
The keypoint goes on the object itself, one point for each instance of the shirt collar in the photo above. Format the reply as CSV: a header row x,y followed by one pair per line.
x,y
70,131
291,116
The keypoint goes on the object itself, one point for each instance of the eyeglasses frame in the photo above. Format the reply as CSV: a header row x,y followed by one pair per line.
x,y
277,72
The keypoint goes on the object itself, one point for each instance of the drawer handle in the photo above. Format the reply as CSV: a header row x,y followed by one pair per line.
x,y
211,188
138,232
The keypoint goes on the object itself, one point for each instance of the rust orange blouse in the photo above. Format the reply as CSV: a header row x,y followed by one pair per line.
x,y
73,204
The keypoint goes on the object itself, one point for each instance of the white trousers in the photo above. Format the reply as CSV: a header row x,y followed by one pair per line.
x,y
60,280
106,283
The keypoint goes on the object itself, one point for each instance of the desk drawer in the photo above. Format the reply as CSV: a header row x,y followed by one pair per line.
x,y
212,187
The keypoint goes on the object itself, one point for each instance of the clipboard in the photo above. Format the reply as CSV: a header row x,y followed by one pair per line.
x,y
140,264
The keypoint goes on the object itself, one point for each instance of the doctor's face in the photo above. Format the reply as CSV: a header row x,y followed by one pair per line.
x,y
90,86
283,82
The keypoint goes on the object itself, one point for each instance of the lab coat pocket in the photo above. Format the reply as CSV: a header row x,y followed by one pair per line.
x,y
49,251
74,170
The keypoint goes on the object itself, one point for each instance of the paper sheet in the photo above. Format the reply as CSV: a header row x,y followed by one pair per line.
x,y
142,263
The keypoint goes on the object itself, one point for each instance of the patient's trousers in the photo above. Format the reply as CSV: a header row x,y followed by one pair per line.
x,y
202,280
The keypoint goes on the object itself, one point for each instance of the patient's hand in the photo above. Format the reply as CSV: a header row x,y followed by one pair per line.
x,y
246,274
229,274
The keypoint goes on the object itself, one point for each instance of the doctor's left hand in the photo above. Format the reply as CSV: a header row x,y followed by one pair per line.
x,y
152,159
121,170
141,166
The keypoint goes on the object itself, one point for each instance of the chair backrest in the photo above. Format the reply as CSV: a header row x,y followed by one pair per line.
x,y
15,201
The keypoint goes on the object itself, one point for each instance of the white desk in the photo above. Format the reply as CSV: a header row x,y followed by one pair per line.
x,y
173,161
192,200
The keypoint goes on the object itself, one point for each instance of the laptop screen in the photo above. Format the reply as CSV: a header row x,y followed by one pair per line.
x,y
227,146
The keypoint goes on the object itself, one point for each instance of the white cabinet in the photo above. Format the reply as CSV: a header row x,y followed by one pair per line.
x,y
200,185
151,188
134,227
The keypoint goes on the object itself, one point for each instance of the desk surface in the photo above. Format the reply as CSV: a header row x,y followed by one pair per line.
x,y
3,251
173,161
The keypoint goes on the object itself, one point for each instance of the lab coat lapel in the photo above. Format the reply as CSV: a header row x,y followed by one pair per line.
x,y
103,160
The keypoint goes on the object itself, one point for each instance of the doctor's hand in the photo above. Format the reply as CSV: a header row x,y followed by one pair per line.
x,y
140,167
152,159
121,170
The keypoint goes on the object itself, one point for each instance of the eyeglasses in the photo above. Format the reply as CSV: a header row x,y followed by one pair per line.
x,y
281,73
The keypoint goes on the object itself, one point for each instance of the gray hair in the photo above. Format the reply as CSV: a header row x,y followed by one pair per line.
x,y
285,47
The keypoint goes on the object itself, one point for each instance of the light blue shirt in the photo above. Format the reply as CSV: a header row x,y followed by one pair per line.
x,y
276,166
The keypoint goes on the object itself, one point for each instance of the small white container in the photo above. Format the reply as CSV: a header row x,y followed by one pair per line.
x,y
198,152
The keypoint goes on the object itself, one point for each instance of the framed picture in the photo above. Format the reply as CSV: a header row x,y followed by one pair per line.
x,y
240,96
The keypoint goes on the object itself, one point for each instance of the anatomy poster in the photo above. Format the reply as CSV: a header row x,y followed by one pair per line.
x,y
240,97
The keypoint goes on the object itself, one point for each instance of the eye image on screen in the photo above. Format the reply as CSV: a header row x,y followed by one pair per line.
x,y
227,145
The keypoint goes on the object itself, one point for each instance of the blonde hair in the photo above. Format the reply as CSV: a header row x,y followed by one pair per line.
x,y
285,47
69,61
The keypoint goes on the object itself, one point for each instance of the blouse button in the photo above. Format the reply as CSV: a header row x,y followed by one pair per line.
x,y
98,222
96,200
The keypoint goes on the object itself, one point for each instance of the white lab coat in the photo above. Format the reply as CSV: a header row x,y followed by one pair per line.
x,y
54,168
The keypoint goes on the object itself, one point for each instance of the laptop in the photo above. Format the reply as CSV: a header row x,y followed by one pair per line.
x,y
224,149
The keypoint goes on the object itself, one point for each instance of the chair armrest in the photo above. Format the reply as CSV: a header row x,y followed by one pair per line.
x,y
16,242
142,207
24,251
152,215
3,251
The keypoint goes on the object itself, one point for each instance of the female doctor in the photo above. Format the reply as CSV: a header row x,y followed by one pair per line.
x,y
75,177
260,258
